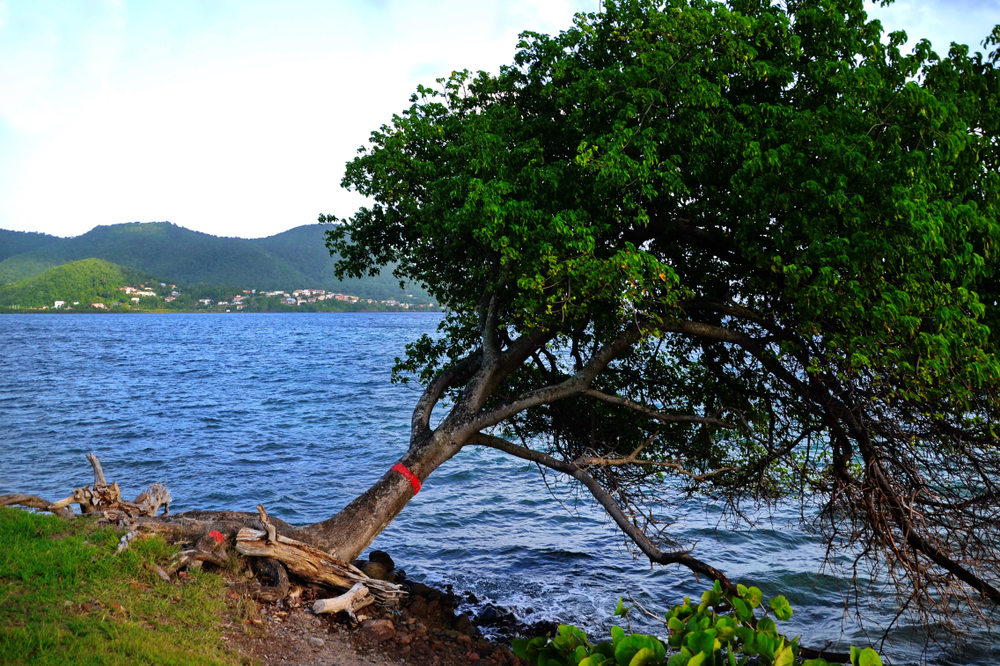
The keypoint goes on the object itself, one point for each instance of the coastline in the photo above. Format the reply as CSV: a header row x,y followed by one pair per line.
x,y
426,629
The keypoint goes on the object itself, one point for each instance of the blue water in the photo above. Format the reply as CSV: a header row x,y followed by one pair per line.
x,y
296,411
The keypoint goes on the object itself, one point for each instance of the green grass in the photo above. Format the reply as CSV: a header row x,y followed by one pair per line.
x,y
68,597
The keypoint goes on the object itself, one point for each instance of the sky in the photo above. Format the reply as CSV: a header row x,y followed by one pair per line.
x,y
236,117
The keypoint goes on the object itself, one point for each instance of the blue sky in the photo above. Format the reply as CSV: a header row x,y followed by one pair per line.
x,y
235,117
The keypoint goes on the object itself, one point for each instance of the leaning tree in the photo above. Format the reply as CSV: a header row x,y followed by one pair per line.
x,y
746,250
743,250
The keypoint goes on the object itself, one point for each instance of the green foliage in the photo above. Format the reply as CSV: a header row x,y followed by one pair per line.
x,y
722,630
70,598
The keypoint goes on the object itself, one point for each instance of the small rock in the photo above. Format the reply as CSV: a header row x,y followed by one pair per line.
x,y
316,641
382,557
378,631
473,656
488,615
426,591
463,624
462,638
375,570
418,607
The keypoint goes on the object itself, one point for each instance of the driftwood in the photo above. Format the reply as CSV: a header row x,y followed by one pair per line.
x,y
314,565
92,500
350,602
271,551
99,479
102,498
35,502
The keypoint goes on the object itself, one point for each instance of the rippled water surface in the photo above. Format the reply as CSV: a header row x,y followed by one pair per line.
x,y
297,411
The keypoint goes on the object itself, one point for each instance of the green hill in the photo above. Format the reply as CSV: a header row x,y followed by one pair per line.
x,y
305,248
13,243
87,281
23,254
295,259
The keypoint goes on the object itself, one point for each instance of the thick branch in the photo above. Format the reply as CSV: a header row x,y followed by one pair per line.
x,y
35,502
682,557
572,386
491,339
456,374
492,374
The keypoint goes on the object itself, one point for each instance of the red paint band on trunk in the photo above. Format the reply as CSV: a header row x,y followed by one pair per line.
x,y
410,476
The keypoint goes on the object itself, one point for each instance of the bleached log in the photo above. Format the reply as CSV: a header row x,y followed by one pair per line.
x,y
94,500
99,480
355,599
148,503
314,565
35,502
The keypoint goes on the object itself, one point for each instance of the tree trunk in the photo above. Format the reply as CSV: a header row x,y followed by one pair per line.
x,y
346,535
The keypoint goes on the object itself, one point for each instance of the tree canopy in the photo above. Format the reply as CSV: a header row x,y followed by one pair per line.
x,y
747,250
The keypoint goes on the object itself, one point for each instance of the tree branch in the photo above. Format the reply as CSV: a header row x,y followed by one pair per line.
x,y
35,502
571,386
461,371
655,414
491,341
682,557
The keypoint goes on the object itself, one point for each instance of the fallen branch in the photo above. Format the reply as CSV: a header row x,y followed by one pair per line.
x,y
352,601
314,565
35,502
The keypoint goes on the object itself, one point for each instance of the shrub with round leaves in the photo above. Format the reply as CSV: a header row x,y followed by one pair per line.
x,y
722,630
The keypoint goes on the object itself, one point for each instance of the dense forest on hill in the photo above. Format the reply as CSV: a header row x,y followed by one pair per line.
x,y
85,282
295,259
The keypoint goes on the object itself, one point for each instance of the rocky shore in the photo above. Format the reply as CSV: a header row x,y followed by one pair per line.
x,y
431,626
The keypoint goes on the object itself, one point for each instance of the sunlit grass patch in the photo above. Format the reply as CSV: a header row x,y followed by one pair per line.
x,y
68,597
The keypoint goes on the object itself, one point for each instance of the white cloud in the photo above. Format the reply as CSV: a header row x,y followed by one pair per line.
x,y
941,22
236,119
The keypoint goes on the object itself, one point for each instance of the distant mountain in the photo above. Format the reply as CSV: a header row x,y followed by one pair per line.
x,y
86,281
295,259
305,248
